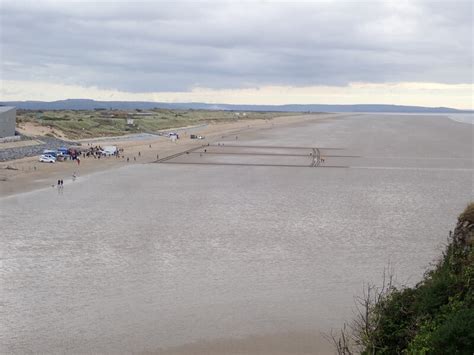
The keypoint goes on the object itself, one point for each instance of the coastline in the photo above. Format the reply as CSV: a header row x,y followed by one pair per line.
x,y
250,257
27,174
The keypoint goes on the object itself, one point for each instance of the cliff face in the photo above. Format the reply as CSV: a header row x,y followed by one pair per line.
x,y
464,233
437,315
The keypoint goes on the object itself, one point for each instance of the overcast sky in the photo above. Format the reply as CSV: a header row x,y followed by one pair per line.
x,y
404,52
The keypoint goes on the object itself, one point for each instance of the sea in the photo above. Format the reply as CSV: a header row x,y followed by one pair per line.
x,y
257,237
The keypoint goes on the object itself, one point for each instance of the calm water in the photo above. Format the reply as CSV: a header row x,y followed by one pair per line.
x,y
161,255
463,117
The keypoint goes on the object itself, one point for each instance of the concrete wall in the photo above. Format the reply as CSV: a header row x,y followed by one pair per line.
x,y
7,122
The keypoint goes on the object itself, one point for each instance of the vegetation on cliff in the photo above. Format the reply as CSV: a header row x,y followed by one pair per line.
x,y
434,317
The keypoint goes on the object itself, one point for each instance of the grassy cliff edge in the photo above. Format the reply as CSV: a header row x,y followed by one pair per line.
x,y
436,316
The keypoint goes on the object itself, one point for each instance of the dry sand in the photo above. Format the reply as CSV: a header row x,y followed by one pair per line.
x,y
32,129
28,174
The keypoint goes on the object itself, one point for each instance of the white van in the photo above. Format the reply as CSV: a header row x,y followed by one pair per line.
x,y
109,150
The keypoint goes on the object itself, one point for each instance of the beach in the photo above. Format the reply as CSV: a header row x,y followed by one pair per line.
x,y
245,246
28,174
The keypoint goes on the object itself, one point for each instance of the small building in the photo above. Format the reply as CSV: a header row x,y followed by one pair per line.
x,y
7,121
129,121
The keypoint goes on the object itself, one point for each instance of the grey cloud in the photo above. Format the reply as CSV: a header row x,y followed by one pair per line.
x,y
165,46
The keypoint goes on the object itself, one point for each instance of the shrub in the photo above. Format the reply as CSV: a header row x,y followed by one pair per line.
x,y
455,335
50,118
468,214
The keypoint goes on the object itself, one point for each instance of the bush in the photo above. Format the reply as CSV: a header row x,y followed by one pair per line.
x,y
455,335
435,292
468,214
50,118
396,318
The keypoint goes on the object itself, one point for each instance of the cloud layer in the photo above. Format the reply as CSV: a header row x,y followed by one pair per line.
x,y
149,47
141,47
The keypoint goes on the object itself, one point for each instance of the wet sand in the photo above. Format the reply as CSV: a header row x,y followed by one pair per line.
x,y
192,256
29,174
274,344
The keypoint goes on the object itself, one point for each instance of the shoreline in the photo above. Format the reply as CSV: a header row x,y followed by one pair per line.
x,y
27,174
247,253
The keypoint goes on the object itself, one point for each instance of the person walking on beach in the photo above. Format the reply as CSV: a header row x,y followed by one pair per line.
x,y
128,159
139,154
60,187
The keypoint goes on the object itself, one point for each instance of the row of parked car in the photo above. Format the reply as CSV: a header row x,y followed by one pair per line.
x,y
51,156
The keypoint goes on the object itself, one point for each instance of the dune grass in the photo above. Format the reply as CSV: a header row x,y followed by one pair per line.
x,y
89,124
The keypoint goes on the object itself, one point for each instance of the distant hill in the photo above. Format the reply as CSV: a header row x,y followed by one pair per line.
x,y
84,104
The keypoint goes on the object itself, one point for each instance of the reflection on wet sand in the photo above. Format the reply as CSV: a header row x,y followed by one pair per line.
x,y
154,256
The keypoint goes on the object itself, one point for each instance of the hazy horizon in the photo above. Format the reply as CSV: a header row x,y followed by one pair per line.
x,y
228,106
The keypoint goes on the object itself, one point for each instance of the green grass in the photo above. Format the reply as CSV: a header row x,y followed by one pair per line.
x,y
89,124
48,118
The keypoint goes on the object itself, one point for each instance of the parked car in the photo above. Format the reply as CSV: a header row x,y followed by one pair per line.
x,y
109,150
45,158
50,152
63,157
62,152
193,136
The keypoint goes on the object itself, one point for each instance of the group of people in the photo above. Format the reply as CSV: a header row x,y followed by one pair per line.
x,y
97,152
60,183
